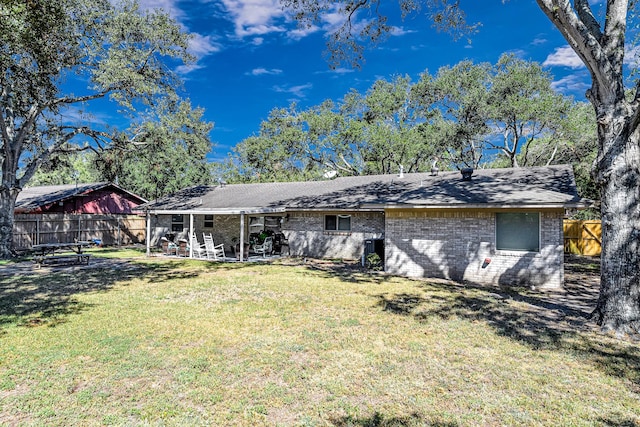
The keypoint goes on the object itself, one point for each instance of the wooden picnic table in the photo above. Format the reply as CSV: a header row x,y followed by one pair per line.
x,y
60,251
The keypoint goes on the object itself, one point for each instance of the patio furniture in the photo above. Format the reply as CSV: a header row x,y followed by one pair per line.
x,y
199,250
279,243
213,251
71,252
168,247
183,248
265,247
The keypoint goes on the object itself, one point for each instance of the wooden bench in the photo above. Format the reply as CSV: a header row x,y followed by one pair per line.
x,y
39,260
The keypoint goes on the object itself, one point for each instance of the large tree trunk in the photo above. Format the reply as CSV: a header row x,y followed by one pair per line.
x,y
618,173
7,206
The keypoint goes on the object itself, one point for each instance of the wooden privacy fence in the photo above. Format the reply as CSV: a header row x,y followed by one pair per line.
x,y
582,237
32,229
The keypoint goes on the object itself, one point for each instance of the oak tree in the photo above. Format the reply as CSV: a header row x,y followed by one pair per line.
x,y
122,55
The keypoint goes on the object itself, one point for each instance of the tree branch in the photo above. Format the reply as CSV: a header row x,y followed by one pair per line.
x,y
587,44
31,167
583,9
77,99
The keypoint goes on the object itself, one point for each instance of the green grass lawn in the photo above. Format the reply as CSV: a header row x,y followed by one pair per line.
x,y
160,342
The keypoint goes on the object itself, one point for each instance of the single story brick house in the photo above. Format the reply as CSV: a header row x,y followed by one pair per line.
x,y
492,226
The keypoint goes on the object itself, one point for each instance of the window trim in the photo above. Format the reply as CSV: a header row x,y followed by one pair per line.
x,y
175,224
519,251
208,222
337,222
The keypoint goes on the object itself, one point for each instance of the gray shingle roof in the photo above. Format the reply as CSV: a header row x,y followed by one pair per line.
x,y
552,186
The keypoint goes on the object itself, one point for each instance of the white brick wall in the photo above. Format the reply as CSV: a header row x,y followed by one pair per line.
x,y
306,235
454,245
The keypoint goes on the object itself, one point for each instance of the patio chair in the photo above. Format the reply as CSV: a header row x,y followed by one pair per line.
x,y
183,247
199,251
265,247
168,247
213,251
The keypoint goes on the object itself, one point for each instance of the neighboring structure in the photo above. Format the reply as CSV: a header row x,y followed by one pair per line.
x,y
61,213
494,226
96,198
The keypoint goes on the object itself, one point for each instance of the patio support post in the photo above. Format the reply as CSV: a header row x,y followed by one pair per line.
x,y
241,236
148,239
191,234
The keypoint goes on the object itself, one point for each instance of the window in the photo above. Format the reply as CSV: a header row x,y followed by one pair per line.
x,y
516,231
337,222
208,221
177,223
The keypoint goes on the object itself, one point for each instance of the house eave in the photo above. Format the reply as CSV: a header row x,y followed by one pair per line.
x,y
362,208
212,211
480,206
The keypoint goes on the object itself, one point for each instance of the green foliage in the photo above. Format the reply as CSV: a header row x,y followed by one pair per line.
x,y
456,99
523,107
121,50
123,54
70,168
454,118
374,262
347,42
371,133
168,153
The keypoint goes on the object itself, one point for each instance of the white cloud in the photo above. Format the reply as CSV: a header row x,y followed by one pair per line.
x,y
538,41
337,71
257,41
169,6
300,33
201,46
632,56
297,91
254,17
263,71
398,31
565,57
342,70
186,69
518,53
573,83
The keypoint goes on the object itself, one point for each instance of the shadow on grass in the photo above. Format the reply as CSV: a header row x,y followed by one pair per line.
x,y
48,296
542,321
346,271
618,423
379,420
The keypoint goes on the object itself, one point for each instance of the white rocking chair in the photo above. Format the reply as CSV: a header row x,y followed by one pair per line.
x,y
199,251
213,251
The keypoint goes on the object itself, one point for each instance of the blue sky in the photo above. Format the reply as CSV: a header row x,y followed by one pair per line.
x,y
252,57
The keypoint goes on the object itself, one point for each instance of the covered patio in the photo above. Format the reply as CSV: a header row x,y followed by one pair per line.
x,y
235,235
